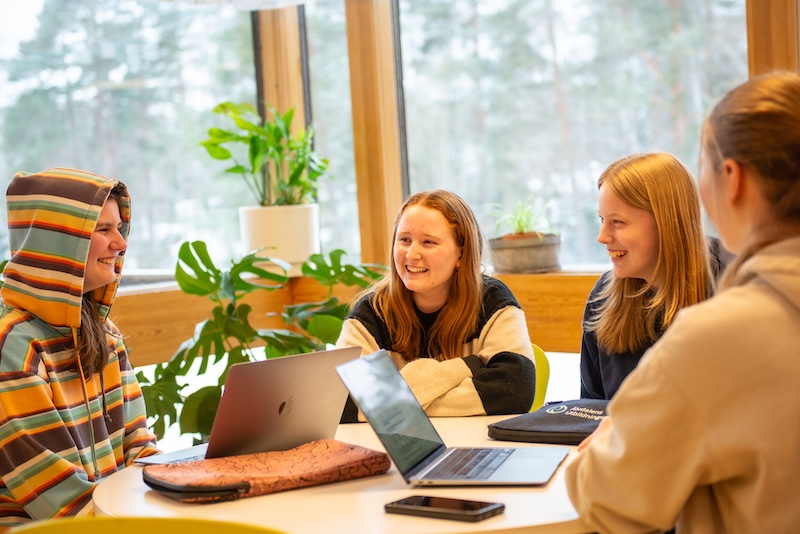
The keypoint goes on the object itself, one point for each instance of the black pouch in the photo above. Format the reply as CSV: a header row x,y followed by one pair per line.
x,y
561,423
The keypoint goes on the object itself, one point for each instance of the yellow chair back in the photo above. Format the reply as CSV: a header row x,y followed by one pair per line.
x,y
137,525
542,376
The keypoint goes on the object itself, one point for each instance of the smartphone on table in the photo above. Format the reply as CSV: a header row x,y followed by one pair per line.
x,y
445,508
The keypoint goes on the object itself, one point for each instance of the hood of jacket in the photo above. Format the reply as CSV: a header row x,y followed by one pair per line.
x,y
778,266
51,218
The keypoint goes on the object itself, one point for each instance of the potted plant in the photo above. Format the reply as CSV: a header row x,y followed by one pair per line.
x,y
227,335
528,244
281,169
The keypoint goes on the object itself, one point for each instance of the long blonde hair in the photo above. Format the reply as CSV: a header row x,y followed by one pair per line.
x,y
757,124
634,312
458,318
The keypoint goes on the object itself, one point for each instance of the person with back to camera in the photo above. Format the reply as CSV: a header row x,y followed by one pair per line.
x,y
651,225
458,337
703,433
71,410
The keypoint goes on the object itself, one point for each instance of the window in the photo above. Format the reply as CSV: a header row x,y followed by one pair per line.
x,y
125,89
510,98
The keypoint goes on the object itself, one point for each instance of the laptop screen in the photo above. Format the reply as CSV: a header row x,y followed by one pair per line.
x,y
394,413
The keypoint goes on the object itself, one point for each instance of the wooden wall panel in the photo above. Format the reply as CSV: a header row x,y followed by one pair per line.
x,y
553,305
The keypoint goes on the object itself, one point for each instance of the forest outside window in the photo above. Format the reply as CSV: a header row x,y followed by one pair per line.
x,y
503,99
508,99
125,88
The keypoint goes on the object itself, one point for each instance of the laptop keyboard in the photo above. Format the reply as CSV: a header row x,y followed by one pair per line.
x,y
469,464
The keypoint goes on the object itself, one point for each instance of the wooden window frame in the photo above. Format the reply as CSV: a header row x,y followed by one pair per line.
x,y
157,321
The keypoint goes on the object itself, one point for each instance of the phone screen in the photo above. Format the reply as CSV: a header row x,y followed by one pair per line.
x,y
443,502
445,508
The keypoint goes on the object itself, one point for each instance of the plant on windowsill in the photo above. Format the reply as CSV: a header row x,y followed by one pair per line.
x,y
529,244
227,335
282,171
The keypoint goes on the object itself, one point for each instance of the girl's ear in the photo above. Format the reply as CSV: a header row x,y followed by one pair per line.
x,y
732,180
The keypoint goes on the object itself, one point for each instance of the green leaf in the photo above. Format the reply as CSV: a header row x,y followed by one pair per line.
x,y
285,342
218,135
217,152
161,398
204,278
232,109
208,340
236,169
325,328
335,272
199,410
261,271
243,123
301,314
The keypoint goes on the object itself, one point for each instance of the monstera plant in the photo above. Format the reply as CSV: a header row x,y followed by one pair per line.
x,y
228,336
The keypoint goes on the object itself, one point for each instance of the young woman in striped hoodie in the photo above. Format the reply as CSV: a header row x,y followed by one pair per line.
x,y
71,411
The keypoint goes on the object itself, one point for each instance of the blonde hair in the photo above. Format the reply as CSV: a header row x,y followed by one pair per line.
x,y
458,318
757,124
634,312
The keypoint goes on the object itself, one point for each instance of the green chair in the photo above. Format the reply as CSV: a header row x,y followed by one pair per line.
x,y
542,376
137,525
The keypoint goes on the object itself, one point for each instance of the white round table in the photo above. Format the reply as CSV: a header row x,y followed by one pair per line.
x,y
356,506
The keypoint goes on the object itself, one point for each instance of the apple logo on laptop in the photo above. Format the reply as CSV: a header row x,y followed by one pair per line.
x,y
286,407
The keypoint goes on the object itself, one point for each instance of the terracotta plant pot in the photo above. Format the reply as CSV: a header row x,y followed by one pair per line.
x,y
526,253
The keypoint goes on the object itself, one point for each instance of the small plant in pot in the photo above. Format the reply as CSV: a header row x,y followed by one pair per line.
x,y
281,169
526,242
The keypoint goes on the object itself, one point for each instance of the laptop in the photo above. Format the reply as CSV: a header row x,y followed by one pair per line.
x,y
273,405
417,450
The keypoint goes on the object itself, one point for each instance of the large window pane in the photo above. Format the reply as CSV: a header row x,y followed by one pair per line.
x,y
510,98
333,125
125,88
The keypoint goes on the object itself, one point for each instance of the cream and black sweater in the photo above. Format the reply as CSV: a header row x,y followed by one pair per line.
x,y
494,375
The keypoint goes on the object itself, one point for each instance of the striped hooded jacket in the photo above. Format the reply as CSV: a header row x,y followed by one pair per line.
x,y
59,434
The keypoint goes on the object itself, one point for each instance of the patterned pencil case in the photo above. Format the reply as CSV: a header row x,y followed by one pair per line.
x,y
236,477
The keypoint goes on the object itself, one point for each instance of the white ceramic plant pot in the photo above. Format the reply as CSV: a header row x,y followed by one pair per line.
x,y
290,232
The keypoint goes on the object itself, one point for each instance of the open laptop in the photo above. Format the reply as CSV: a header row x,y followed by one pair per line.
x,y
416,449
273,405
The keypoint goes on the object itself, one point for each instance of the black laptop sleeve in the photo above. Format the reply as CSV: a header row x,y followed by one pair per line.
x,y
563,423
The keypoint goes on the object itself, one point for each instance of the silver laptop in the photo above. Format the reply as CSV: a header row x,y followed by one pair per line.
x,y
273,405
413,444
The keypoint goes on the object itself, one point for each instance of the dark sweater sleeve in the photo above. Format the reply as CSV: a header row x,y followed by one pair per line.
x,y
506,385
507,382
